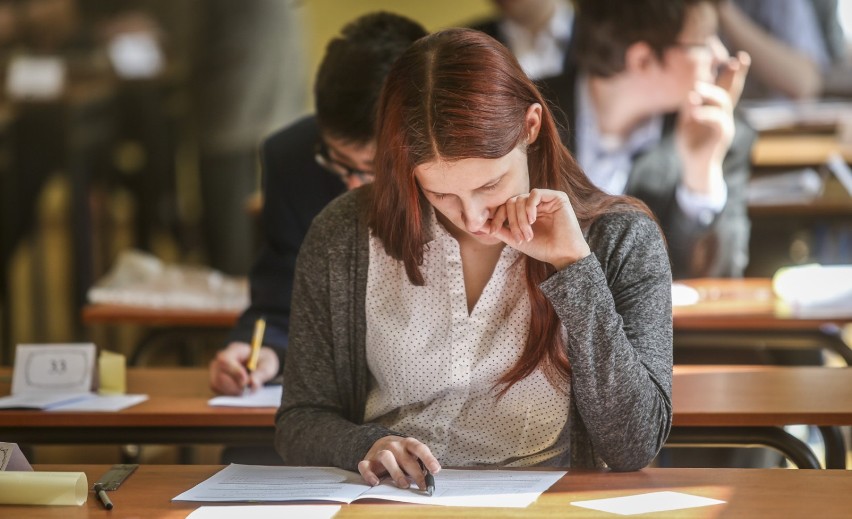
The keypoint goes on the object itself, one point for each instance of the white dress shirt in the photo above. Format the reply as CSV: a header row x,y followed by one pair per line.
x,y
608,161
435,366
541,54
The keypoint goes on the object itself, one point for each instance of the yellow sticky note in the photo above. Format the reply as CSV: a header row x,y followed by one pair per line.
x,y
112,373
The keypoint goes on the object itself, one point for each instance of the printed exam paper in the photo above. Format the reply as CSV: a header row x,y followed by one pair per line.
x,y
480,488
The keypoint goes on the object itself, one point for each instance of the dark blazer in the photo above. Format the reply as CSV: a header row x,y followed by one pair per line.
x,y
295,190
718,248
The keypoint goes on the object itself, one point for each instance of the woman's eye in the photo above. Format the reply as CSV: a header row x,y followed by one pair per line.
x,y
439,197
493,185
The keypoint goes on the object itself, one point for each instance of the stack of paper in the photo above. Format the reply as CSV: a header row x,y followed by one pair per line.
x,y
480,488
815,290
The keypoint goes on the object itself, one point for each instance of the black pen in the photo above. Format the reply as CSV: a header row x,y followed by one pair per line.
x,y
102,495
430,479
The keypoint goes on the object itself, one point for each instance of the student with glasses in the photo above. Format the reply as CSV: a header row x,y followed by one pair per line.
x,y
305,166
649,98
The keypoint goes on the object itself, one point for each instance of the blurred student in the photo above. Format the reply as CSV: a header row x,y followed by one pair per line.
x,y
481,302
792,44
538,32
305,166
650,117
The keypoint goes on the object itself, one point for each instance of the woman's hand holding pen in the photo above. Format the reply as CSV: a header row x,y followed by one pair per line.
x,y
228,373
542,225
399,458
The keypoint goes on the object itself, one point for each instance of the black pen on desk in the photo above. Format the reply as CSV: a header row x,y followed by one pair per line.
x,y
430,479
102,496
256,343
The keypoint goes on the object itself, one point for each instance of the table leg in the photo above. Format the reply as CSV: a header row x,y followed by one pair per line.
x,y
793,448
835,447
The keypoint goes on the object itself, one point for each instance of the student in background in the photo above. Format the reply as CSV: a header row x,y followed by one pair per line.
x,y
305,166
538,32
481,302
792,43
650,117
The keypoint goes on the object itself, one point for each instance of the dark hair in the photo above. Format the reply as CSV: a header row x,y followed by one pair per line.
x,y
350,76
460,94
605,29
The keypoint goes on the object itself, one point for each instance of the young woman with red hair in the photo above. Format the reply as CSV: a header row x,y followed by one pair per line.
x,y
481,303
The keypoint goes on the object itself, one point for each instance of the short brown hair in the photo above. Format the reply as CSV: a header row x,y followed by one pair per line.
x,y
604,29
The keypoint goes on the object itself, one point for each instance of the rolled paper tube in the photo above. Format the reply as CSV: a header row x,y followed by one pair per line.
x,y
43,488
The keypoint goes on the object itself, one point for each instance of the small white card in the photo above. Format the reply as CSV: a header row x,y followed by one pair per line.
x,y
647,503
53,368
35,77
265,512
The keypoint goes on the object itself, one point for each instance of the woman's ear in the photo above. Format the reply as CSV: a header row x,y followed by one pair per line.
x,y
532,121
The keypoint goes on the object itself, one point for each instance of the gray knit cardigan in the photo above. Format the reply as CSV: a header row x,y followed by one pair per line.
x,y
615,305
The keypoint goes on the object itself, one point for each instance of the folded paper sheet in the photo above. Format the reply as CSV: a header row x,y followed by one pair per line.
x,y
43,488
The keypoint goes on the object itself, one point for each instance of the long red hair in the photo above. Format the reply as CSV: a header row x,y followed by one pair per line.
x,y
459,94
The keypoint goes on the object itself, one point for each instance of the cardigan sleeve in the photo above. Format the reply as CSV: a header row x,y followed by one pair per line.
x,y
317,424
615,305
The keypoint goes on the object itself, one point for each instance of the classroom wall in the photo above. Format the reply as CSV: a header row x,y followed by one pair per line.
x,y
325,18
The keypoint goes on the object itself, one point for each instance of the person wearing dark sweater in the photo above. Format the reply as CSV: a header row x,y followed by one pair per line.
x,y
481,303
305,166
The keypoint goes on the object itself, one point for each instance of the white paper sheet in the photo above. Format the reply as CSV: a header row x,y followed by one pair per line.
x,y
71,402
684,295
265,512
267,396
236,483
40,400
102,403
492,488
647,503
482,488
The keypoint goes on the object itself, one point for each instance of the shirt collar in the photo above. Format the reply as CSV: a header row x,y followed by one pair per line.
x,y
590,141
558,27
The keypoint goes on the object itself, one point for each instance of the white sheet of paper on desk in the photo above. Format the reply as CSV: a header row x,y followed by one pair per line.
x,y
647,503
683,295
267,396
815,290
265,512
480,488
40,400
102,403
71,402
490,488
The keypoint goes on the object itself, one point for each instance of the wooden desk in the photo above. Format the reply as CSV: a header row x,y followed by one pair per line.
x,y
726,305
734,312
162,324
112,314
712,404
747,492
797,150
175,413
749,404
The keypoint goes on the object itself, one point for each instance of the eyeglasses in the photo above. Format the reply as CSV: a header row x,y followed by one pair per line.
x,y
346,172
704,47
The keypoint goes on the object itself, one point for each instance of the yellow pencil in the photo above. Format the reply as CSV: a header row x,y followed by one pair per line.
x,y
256,343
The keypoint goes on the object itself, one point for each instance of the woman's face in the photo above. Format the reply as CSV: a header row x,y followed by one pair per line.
x,y
467,193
